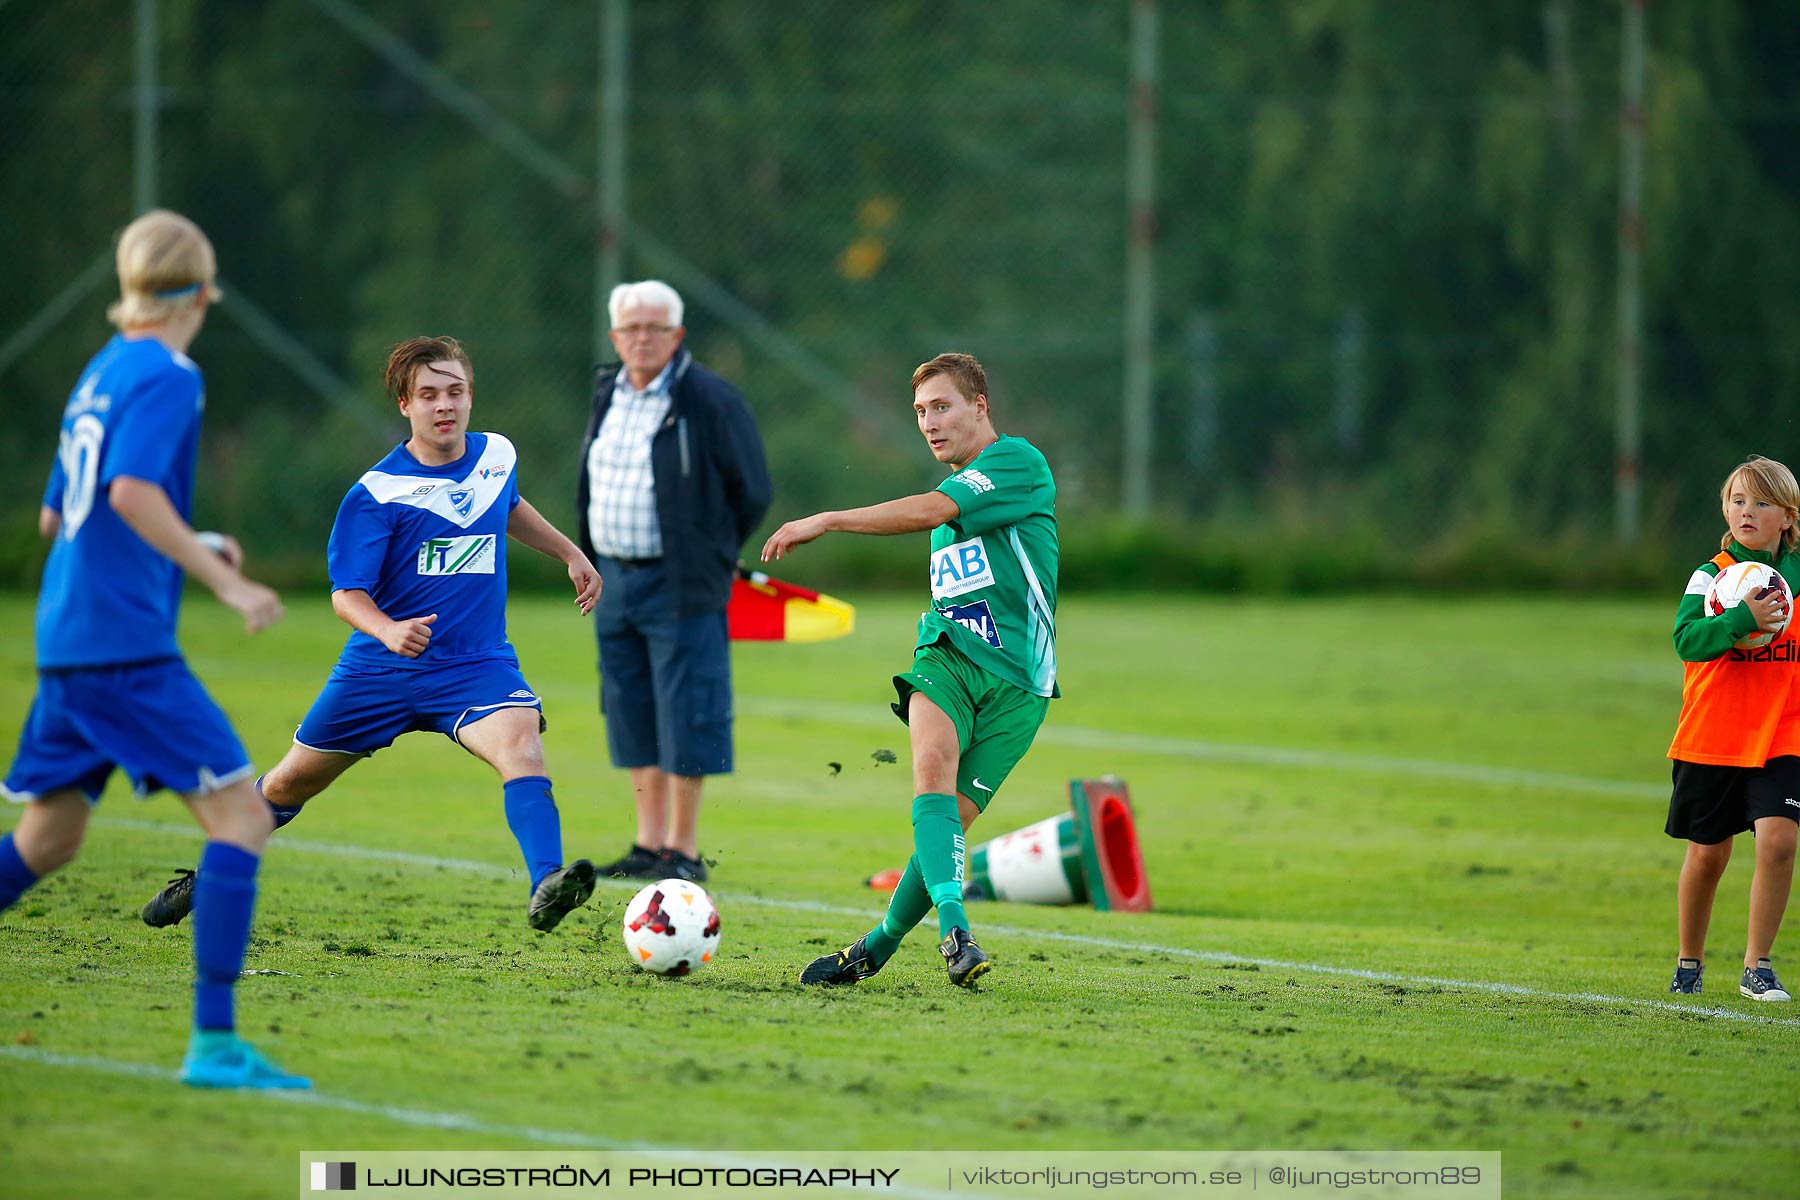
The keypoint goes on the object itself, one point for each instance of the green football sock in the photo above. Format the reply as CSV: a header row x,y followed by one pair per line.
x,y
908,907
938,843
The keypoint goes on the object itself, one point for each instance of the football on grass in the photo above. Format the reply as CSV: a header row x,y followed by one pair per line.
x,y
1739,582
671,928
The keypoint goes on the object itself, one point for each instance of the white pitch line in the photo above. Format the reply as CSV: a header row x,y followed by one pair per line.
x,y
1256,756
876,716
873,716
1465,985
1218,956
420,1118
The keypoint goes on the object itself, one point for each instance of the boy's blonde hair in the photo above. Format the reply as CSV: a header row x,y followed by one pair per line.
x,y
1769,481
164,261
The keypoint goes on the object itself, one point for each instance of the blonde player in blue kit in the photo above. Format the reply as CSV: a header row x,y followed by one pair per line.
x,y
113,689
984,662
418,570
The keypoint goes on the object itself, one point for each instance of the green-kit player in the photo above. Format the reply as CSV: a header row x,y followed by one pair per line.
x,y
984,666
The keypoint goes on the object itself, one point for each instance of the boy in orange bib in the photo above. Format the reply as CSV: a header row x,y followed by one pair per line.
x,y
1737,743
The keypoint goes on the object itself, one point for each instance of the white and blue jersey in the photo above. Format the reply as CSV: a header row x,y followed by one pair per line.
x,y
422,540
108,597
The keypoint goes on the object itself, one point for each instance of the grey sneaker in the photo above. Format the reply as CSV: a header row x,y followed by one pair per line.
x,y
964,959
849,965
173,903
1759,983
1687,977
562,892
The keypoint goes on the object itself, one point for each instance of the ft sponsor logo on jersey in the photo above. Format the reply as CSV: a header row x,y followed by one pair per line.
x,y
976,619
961,568
469,555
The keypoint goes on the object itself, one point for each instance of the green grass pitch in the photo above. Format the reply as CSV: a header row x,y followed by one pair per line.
x,y
1411,893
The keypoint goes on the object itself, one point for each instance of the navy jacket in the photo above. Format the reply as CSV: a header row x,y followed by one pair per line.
x,y
712,482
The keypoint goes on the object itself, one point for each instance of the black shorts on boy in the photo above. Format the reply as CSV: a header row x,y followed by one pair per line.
x,y
1712,804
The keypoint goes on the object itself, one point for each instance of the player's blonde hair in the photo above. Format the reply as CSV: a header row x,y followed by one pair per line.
x,y
1769,481
405,359
164,261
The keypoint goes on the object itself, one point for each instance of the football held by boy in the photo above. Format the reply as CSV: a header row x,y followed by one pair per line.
x,y
984,661
418,570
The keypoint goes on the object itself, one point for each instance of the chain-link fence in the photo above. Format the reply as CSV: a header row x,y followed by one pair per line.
x,y
1384,240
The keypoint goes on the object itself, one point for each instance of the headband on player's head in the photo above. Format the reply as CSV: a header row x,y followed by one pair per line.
x,y
175,293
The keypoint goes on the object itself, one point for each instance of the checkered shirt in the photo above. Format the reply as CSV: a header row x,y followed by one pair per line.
x,y
621,512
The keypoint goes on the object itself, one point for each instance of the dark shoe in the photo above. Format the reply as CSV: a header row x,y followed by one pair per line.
x,y
638,863
1760,984
964,958
852,963
563,891
1687,978
673,864
170,905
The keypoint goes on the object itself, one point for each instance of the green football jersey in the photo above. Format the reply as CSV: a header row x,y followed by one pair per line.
x,y
993,569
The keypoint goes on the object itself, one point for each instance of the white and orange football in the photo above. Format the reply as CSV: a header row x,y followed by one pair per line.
x,y
671,927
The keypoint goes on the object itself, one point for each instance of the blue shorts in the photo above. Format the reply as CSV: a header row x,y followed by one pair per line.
x,y
153,719
363,709
665,680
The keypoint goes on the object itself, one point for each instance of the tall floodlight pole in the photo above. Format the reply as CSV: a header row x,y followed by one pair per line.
x,y
1140,302
615,57
1631,255
144,112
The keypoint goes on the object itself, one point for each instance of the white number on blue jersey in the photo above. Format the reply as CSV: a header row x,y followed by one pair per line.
x,y
79,449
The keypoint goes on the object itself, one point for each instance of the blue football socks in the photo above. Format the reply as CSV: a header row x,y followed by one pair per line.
x,y
224,899
15,876
536,825
282,815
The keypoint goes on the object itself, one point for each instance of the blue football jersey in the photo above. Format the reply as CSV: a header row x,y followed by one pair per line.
x,y
424,540
108,597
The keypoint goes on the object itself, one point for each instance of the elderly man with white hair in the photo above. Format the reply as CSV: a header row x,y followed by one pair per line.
x,y
673,479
